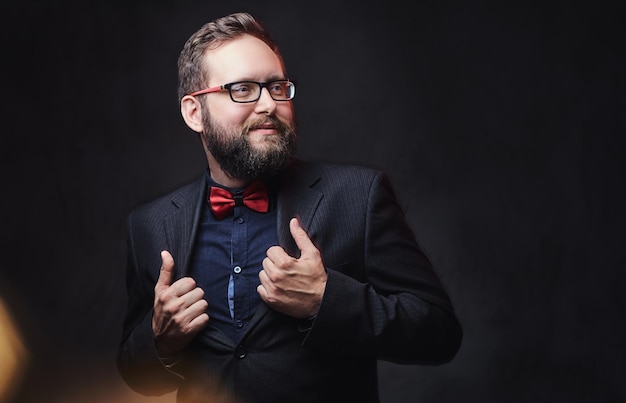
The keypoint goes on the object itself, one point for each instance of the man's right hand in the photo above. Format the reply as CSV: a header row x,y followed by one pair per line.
x,y
179,310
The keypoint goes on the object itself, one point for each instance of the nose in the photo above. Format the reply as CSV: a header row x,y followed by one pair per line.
x,y
266,103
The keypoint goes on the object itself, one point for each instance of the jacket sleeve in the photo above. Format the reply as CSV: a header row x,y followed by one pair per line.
x,y
137,359
384,299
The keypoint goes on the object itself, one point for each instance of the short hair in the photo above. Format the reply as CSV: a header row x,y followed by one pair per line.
x,y
191,69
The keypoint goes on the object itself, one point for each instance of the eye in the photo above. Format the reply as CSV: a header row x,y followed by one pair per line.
x,y
241,89
277,87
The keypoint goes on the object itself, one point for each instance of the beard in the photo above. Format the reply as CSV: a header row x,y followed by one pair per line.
x,y
238,158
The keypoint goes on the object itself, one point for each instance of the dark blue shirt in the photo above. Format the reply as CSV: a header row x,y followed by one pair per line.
x,y
226,262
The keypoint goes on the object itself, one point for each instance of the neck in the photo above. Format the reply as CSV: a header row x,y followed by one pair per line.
x,y
221,177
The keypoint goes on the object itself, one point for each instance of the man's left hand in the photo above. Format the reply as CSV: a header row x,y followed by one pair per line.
x,y
293,286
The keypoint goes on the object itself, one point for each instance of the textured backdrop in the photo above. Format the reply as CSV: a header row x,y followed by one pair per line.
x,y
502,125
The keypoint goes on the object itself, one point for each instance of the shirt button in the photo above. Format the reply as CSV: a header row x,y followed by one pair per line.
x,y
237,269
239,323
240,352
240,220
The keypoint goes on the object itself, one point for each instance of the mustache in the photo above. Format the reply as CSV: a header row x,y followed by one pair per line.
x,y
264,122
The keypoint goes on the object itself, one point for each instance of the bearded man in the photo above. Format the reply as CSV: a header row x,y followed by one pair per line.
x,y
271,279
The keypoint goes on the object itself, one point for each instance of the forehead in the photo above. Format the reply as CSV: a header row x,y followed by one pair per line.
x,y
243,58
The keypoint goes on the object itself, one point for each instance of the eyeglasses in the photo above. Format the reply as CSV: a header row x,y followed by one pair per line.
x,y
250,91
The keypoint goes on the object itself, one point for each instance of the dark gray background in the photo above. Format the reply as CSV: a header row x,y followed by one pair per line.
x,y
501,123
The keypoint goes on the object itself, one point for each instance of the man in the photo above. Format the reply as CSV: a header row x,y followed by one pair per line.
x,y
292,295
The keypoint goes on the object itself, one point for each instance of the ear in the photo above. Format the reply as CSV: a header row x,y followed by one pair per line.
x,y
191,109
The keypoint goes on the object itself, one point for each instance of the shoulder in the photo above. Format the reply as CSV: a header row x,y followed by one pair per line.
x,y
337,172
356,186
185,194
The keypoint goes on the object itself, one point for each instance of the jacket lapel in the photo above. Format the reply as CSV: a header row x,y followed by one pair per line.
x,y
297,198
182,224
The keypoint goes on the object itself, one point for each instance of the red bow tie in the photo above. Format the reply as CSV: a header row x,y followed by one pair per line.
x,y
254,197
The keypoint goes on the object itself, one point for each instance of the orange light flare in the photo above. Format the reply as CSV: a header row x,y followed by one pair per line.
x,y
13,353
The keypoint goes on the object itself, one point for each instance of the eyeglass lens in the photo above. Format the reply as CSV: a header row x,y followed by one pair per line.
x,y
249,91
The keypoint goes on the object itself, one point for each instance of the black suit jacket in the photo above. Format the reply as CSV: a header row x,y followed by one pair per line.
x,y
383,301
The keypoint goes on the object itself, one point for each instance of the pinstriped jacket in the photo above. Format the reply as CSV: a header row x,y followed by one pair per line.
x,y
383,300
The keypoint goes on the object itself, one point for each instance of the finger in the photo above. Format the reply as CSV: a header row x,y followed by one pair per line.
x,y
300,236
264,286
275,270
192,296
262,292
167,270
273,254
197,309
263,278
182,287
200,321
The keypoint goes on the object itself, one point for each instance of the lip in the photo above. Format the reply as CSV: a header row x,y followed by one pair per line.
x,y
264,129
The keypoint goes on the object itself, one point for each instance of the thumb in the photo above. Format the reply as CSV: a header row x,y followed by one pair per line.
x,y
167,270
301,237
